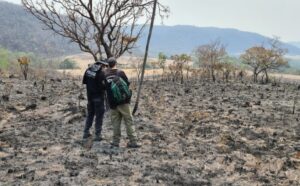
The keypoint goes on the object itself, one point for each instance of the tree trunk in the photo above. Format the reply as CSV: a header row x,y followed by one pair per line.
x,y
163,73
255,76
267,76
213,75
145,58
182,76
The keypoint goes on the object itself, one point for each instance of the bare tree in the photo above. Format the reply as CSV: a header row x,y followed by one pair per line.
x,y
154,65
162,58
180,64
253,58
210,55
137,65
145,58
227,68
274,58
100,27
262,59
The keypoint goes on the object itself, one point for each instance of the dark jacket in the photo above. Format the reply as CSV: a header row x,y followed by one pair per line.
x,y
110,73
95,82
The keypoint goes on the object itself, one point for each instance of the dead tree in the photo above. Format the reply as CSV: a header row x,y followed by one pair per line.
x,y
181,63
210,55
227,68
253,58
155,3
137,65
274,58
24,66
162,58
99,27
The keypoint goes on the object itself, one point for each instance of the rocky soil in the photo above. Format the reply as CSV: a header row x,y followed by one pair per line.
x,y
199,133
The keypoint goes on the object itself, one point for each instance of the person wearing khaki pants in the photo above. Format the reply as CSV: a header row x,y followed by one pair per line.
x,y
121,111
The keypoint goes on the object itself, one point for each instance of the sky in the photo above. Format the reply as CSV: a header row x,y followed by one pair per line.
x,y
267,17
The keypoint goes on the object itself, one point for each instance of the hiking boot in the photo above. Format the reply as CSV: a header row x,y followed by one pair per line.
x,y
98,138
86,135
133,145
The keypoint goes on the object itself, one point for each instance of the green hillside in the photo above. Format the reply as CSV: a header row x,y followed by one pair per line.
x,y
20,31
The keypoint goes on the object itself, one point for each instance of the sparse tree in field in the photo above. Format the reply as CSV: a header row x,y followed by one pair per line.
x,y
262,59
100,27
274,58
210,55
196,73
172,74
24,66
180,63
253,57
137,65
227,68
187,68
153,66
162,58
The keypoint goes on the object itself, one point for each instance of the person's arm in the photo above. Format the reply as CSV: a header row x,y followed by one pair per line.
x,y
124,77
101,80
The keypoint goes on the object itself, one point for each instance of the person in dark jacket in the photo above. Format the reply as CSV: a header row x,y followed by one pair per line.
x,y
120,111
94,80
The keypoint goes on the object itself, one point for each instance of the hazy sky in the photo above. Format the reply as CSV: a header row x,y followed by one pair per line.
x,y
267,17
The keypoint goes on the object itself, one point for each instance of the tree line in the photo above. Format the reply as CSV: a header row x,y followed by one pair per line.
x,y
212,59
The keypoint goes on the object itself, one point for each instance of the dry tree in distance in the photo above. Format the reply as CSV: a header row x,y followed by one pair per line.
x,y
103,28
210,55
262,59
24,66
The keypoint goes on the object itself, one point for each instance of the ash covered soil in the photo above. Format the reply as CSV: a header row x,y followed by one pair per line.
x,y
199,133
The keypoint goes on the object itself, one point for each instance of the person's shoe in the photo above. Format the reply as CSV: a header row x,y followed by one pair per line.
x,y
133,145
98,138
86,135
114,145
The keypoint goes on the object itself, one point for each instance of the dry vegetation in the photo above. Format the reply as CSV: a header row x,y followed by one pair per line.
x,y
193,133
209,125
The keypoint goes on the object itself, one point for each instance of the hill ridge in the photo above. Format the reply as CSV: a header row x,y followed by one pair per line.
x,y
22,32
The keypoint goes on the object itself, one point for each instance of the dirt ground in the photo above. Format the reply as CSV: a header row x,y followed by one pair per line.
x,y
198,133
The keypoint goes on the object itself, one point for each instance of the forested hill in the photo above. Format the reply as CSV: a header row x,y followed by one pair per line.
x,y
20,31
184,39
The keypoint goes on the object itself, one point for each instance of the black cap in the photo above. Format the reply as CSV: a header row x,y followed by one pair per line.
x,y
111,61
103,62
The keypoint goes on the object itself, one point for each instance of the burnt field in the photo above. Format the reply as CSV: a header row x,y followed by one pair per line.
x,y
197,133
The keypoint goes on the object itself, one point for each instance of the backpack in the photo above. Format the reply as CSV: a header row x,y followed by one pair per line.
x,y
91,72
119,90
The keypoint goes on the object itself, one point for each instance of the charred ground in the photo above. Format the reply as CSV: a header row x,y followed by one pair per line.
x,y
196,133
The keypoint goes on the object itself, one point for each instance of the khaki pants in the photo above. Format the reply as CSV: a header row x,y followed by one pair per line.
x,y
122,112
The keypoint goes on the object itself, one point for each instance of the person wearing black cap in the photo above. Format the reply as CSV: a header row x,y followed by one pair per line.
x,y
94,80
121,110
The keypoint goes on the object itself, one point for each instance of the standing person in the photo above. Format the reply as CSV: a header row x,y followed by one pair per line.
x,y
94,80
119,96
